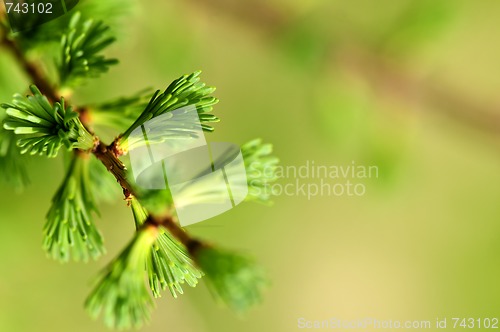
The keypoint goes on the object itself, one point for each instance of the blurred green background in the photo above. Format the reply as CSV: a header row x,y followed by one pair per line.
x,y
411,86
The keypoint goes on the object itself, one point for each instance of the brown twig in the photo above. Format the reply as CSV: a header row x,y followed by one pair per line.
x,y
389,79
107,155
255,13
115,166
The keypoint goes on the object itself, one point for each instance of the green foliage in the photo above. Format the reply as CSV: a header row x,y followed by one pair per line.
x,y
121,295
43,128
169,265
81,47
184,91
70,231
233,278
261,169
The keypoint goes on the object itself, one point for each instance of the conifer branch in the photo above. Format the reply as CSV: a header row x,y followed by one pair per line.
x,y
43,122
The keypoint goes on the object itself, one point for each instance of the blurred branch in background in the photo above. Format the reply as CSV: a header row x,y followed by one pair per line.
x,y
259,14
388,79
368,58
